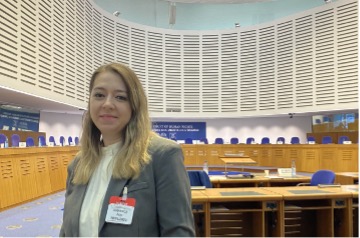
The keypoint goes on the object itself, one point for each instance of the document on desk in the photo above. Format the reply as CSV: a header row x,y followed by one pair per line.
x,y
274,177
197,187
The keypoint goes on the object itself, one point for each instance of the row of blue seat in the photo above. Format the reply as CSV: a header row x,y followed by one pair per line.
x,y
249,140
15,140
266,140
328,139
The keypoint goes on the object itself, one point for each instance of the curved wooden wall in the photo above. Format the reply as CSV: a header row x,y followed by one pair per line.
x,y
29,173
309,158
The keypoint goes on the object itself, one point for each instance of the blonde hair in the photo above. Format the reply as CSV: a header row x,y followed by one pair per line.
x,y
136,135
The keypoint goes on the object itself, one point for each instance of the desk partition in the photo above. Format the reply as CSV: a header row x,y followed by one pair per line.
x,y
309,158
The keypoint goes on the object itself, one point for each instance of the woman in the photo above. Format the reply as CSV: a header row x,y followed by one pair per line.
x,y
125,180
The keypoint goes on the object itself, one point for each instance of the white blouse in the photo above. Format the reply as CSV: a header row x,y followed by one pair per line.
x,y
95,193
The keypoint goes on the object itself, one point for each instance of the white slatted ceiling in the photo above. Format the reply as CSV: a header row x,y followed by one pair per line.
x,y
347,53
307,62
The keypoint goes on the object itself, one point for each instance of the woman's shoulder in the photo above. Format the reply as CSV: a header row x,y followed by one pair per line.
x,y
161,143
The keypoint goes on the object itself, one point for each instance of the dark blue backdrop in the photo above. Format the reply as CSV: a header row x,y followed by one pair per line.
x,y
180,130
18,120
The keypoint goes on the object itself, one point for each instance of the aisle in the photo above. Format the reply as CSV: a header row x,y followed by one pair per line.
x,y
39,218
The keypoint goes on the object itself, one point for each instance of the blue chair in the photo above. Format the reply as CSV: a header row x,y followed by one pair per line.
x,y
30,142
320,177
42,141
2,138
52,139
188,141
199,178
234,140
77,141
70,140
295,140
204,140
265,140
311,138
280,140
326,140
62,140
326,119
250,140
219,141
15,140
342,139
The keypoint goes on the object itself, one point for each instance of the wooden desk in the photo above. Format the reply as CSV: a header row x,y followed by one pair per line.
x,y
243,212
200,205
313,211
280,211
219,181
344,178
354,189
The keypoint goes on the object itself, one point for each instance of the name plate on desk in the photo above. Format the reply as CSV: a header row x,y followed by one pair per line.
x,y
284,172
237,160
51,144
22,144
311,142
347,142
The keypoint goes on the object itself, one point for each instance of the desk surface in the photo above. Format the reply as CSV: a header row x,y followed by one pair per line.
x,y
240,194
258,179
310,192
348,174
198,196
354,189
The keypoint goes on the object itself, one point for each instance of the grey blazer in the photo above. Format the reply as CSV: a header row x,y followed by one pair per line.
x,y
162,193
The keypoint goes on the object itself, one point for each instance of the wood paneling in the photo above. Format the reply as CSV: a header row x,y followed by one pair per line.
x,y
29,173
308,158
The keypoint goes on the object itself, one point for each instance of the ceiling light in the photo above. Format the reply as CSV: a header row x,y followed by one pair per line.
x,y
116,13
237,24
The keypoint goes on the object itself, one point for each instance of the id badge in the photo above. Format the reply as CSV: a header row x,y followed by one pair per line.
x,y
120,211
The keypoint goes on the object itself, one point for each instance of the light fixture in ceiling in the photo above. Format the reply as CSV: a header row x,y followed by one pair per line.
x,y
116,13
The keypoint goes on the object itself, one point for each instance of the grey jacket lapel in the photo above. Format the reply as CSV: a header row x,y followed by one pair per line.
x,y
115,188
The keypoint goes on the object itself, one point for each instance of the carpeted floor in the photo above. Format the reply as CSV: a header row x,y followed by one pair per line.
x,y
39,218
